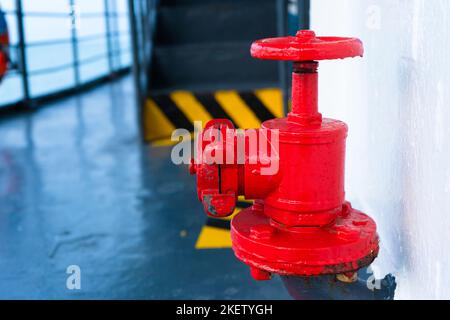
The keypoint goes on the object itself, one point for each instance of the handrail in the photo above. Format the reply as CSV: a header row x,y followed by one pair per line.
x,y
68,40
22,69
65,66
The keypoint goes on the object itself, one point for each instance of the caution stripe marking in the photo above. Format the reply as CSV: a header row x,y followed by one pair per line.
x,y
257,106
237,109
215,109
173,112
179,109
152,115
272,99
190,106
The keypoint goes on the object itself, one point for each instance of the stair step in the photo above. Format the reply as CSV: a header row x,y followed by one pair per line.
x,y
212,65
184,22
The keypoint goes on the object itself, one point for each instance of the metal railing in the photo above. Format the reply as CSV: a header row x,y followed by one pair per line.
x,y
112,54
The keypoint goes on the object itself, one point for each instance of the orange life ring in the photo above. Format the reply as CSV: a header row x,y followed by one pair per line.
x,y
4,43
3,64
4,39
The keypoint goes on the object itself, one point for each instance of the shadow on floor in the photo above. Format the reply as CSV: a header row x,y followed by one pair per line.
x,y
78,188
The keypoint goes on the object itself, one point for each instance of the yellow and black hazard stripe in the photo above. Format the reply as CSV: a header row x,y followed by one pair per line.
x,y
215,234
163,113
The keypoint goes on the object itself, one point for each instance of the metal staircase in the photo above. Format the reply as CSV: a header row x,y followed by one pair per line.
x,y
204,45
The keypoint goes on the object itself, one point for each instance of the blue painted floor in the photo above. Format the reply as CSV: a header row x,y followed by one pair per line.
x,y
77,187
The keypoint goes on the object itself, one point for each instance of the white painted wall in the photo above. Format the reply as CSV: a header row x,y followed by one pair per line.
x,y
397,103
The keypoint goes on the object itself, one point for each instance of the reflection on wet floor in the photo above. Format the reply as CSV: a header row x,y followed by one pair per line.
x,y
365,287
77,187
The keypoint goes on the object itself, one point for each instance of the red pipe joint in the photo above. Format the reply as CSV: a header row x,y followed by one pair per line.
x,y
301,224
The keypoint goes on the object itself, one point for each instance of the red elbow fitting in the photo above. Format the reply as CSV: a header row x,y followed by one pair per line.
x,y
300,224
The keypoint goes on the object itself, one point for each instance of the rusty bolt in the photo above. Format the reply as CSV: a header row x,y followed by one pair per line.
x,y
349,277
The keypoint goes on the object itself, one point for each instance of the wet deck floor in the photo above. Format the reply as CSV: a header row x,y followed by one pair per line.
x,y
77,187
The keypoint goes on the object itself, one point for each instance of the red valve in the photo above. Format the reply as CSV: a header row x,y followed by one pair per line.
x,y
301,224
